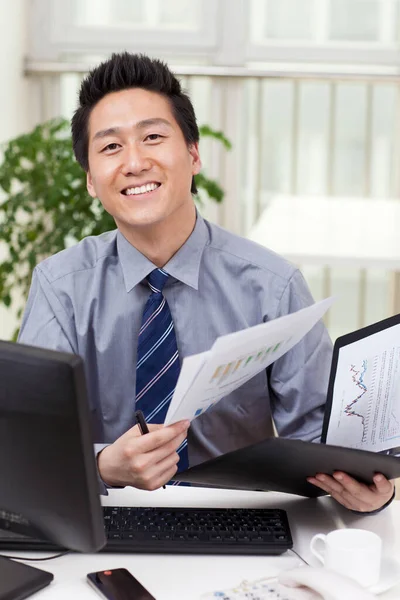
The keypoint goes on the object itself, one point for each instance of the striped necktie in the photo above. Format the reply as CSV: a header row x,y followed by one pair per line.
x,y
158,366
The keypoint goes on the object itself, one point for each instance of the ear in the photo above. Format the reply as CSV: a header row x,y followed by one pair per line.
x,y
196,160
89,185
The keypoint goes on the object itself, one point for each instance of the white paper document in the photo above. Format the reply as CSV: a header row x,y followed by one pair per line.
x,y
235,358
365,410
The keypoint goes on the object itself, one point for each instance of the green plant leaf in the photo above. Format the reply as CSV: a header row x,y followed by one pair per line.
x,y
207,131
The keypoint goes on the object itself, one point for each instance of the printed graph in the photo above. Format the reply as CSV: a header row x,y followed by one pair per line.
x,y
370,407
243,364
358,406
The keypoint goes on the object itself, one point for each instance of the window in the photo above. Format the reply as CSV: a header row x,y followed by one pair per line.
x,y
78,28
315,31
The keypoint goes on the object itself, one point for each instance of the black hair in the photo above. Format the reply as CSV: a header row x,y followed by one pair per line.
x,y
124,71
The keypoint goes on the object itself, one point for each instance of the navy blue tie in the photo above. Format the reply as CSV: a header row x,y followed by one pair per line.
x,y
157,368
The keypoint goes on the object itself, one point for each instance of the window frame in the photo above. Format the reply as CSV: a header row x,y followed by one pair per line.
x,y
54,33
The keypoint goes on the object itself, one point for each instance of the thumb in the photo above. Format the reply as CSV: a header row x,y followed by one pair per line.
x,y
136,432
154,426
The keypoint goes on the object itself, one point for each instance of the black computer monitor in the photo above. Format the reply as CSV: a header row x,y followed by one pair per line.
x,y
49,485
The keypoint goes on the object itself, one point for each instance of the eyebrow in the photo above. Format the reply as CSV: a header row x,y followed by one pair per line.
x,y
139,125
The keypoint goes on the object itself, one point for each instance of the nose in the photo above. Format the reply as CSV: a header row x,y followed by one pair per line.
x,y
135,160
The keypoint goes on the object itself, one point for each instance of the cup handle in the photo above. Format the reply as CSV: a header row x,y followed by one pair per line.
x,y
322,537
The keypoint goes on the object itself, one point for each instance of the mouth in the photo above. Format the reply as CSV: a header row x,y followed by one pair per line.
x,y
141,190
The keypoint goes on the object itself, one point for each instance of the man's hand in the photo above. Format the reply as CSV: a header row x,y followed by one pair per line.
x,y
143,461
355,495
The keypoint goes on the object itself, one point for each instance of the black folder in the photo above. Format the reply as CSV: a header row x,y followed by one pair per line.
x,y
282,465
19,581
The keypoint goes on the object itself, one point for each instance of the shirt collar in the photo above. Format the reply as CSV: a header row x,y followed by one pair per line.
x,y
184,265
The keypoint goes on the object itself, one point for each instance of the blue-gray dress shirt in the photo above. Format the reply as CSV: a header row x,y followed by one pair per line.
x,y
89,300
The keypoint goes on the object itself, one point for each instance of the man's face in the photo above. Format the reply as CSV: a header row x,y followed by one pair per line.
x,y
140,166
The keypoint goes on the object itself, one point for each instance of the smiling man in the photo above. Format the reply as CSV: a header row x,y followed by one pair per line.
x,y
164,285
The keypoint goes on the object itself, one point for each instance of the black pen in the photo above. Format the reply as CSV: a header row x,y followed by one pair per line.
x,y
141,422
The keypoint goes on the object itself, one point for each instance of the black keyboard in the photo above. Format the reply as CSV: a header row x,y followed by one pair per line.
x,y
183,530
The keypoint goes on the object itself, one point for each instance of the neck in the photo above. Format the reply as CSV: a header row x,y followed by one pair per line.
x,y
161,241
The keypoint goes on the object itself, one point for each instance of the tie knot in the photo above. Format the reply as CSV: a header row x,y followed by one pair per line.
x,y
157,279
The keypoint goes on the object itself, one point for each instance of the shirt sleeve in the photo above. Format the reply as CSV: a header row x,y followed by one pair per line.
x,y
45,325
42,325
299,379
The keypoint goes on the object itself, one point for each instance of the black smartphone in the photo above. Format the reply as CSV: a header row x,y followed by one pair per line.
x,y
118,584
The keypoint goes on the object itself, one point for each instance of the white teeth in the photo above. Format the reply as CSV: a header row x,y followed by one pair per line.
x,y
149,187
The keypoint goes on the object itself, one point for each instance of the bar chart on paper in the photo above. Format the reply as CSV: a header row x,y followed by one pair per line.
x,y
245,364
225,377
235,358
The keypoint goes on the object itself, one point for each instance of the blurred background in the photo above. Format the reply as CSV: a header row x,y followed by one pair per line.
x,y
307,91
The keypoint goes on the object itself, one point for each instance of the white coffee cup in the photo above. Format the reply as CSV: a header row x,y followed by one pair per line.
x,y
352,552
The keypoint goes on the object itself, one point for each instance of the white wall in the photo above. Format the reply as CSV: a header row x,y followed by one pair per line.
x,y
14,97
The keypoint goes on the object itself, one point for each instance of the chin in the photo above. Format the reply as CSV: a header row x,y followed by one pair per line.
x,y
138,221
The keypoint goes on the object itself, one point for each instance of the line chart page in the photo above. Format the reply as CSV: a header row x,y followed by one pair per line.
x,y
365,411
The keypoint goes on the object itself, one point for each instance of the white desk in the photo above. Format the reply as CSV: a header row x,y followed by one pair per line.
x,y
351,232
180,577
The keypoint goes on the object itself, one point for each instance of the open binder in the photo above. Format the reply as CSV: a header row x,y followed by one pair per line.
x,y
363,403
282,465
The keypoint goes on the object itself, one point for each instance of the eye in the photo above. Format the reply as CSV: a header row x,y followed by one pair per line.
x,y
112,146
153,137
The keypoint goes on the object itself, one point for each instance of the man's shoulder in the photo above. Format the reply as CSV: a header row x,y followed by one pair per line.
x,y
83,256
242,249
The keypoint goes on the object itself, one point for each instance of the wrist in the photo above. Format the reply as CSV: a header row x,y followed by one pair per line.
x,y
105,469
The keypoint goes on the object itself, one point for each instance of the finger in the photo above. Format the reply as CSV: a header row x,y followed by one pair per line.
x,y
346,502
160,437
157,482
382,485
323,483
363,497
333,484
356,494
165,477
353,487
353,494
135,431
158,454
165,465
142,462
154,426
184,423
338,493
157,474
326,483
360,504
352,491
